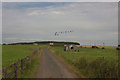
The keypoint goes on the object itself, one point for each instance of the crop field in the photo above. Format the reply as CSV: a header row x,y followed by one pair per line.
x,y
13,53
91,63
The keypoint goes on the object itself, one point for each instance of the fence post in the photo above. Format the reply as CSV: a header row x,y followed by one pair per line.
x,y
29,59
21,66
15,65
4,73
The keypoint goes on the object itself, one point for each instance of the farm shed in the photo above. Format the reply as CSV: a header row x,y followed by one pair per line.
x,y
35,44
70,48
51,44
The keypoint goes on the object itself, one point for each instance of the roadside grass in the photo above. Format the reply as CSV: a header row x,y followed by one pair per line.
x,y
31,70
91,63
0,61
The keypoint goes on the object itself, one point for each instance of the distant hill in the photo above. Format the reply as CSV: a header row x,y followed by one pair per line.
x,y
44,42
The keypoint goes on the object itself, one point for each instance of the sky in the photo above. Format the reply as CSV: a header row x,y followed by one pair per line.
x,y
92,23
59,0
0,23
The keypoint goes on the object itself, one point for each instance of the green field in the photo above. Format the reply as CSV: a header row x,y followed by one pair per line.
x,y
13,53
90,62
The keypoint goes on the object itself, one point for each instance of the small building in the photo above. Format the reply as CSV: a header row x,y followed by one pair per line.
x,y
51,44
35,44
71,48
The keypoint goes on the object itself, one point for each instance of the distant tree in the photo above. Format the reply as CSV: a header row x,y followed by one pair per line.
x,y
118,45
45,42
4,44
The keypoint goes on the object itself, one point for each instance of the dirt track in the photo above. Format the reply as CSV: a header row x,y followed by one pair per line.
x,y
51,67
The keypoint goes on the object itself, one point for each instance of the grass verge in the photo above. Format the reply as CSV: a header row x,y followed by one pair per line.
x,y
91,63
31,69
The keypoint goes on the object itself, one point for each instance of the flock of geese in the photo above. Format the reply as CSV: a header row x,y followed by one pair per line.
x,y
63,32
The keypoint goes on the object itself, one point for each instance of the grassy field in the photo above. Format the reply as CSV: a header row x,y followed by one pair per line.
x,y
91,63
13,53
0,60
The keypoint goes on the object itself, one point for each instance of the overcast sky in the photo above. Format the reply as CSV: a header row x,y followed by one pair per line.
x,y
92,23
60,0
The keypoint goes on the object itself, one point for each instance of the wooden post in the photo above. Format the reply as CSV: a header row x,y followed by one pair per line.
x,y
21,66
4,73
15,70
29,59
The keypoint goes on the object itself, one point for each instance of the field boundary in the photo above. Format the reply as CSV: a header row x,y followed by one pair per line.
x,y
17,68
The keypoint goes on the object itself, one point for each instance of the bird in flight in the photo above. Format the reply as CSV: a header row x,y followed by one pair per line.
x,y
55,33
